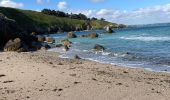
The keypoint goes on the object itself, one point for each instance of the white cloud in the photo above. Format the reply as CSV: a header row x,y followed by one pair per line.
x,y
155,14
96,1
62,5
42,1
104,12
10,3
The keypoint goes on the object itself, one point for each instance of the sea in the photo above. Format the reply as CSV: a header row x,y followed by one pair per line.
x,y
138,46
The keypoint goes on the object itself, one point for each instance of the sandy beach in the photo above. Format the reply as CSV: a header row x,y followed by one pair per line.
x,y
43,75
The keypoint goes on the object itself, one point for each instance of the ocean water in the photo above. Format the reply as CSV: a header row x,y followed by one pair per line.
x,y
139,47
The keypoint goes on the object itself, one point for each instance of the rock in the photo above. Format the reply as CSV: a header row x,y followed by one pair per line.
x,y
41,38
8,29
109,29
66,42
47,46
93,35
15,45
49,40
66,48
59,45
36,46
76,57
71,35
98,47
33,33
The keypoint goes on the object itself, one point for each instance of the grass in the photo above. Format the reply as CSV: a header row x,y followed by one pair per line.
x,y
32,20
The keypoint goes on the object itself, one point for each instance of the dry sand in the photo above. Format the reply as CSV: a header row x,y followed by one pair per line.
x,y
44,76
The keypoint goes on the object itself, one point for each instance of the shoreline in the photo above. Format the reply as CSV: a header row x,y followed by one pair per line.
x,y
42,75
114,64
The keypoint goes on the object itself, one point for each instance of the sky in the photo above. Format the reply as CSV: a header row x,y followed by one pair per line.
x,y
118,11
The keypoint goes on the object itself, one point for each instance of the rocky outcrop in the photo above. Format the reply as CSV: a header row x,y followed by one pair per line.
x,y
71,35
8,28
109,30
15,45
98,47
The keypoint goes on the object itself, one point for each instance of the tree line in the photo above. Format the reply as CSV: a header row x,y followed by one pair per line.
x,y
58,13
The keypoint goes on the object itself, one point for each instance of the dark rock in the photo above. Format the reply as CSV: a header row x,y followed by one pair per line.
x,y
8,29
66,48
35,46
99,47
59,45
71,35
41,38
76,57
47,46
109,30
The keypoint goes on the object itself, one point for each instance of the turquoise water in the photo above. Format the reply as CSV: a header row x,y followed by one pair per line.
x,y
147,46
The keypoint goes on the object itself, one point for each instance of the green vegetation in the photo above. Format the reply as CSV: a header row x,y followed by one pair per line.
x,y
32,21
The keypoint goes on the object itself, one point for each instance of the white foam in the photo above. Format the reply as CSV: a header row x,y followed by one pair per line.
x,y
144,38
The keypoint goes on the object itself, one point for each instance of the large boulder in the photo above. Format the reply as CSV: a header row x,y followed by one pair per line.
x,y
71,35
15,45
109,29
8,29
98,47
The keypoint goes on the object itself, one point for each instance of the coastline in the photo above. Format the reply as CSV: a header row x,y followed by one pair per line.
x,y
42,75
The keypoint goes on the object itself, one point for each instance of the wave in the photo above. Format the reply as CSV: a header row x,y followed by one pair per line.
x,y
141,38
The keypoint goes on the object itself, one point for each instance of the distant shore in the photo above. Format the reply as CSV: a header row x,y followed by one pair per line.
x,y
43,75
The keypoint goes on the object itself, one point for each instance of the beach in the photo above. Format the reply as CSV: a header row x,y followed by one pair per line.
x,y
42,75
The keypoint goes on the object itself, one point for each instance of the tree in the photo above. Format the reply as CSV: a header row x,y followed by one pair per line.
x,y
93,18
102,19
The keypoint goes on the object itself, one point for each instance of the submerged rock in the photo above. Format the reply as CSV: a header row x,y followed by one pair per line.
x,y
93,35
59,45
98,47
76,57
71,35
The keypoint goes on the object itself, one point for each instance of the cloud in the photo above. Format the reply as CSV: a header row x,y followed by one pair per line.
x,y
10,3
96,1
155,14
42,1
104,12
62,5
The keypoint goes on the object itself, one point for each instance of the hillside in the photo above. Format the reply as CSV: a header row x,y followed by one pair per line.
x,y
16,22
36,21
